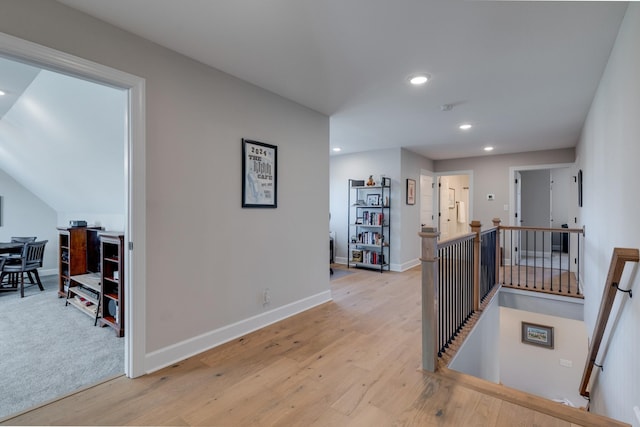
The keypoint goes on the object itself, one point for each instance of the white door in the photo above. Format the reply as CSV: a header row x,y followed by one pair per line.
x,y
517,220
443,208
426,201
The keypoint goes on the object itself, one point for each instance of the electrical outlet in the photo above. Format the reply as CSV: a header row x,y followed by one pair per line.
x,y
506,207
266,297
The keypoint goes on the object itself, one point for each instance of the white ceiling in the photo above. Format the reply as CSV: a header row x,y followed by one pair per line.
x,y
524,73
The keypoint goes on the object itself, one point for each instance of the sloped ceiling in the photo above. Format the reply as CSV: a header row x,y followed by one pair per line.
x,y
63,140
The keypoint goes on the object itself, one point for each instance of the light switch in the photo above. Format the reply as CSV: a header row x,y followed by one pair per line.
x,y
566,363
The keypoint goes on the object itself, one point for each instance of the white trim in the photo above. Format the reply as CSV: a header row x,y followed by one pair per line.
x,y
340,260
176,352
405,265
135,172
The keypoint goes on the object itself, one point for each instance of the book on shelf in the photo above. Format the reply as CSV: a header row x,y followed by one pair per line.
x,y
83,301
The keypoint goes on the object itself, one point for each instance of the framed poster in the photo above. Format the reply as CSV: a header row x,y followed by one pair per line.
x,y
537,334
259,175
411,191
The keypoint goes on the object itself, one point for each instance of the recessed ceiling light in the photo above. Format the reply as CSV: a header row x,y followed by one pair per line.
x,y
465,126
336,149
488,148
419,79
2,93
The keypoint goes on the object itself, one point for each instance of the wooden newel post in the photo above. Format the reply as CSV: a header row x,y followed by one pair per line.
x,y
496,223
429,260
475,228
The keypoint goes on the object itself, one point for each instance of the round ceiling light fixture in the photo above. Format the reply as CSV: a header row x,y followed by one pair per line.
x,y
419,79
2,93
488,148
337,149
465,126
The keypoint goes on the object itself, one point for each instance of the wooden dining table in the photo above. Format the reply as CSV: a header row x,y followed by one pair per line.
x,y
11,247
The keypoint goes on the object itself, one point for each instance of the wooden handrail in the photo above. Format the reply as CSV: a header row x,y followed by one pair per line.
x,y
618,260
456,239
553,230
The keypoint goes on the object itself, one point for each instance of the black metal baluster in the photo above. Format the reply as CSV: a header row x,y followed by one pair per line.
x,y
535,258
568,265
578,272
543,257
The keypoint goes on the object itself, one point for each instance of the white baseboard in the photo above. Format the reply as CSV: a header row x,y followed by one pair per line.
x,y
393,267
341,260
174,353
48,272
405,265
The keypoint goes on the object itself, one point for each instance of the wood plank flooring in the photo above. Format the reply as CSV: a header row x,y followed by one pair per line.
x,y
351,362
538,279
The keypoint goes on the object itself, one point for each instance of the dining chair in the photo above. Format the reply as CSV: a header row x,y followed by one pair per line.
x,y
3,259
16,257
30,261
23,239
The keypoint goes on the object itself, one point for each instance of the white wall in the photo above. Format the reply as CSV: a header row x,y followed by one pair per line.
x,y
491,175
208,260
537,370
411,165
536,198
608,153
24,214
477,355
561,196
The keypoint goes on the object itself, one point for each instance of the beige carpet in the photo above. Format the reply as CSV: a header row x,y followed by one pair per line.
x,y
48,350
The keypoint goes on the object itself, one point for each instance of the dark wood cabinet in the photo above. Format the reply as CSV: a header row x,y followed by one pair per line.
x,y
75,254
112,278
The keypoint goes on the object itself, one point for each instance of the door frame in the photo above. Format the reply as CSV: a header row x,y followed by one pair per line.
x,y
135,177
436,179
512,183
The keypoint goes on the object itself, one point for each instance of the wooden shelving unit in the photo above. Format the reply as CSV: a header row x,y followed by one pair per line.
x,y
112,278
73,259
84,294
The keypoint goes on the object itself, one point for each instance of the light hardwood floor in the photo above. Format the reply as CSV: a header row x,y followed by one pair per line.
x,y
351,362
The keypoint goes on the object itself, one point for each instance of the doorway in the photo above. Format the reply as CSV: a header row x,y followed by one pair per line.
x,y
134,176
541,198
454,207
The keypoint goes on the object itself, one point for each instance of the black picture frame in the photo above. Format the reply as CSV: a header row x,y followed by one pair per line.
x,y
411,191
580,188
373,199
539,335
259,174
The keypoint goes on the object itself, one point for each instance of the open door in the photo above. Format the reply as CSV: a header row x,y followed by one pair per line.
x,y
426,201
517,221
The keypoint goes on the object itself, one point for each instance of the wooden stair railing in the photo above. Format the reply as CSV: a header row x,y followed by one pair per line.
x,y
618,260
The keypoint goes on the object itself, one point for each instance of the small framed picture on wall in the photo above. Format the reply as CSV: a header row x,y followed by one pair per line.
x,y
411,191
